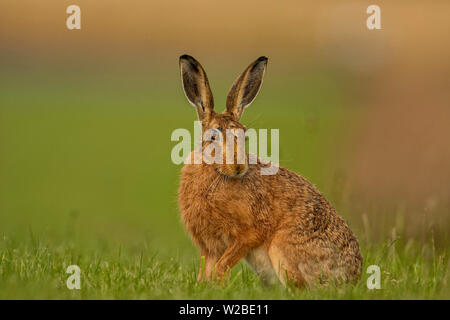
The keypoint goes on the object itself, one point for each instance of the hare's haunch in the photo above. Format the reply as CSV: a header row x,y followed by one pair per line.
x,y
281,224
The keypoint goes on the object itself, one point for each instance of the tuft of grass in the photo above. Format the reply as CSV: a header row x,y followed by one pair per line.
x,y
37,270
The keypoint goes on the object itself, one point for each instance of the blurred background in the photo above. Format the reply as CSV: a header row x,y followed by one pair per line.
x,y
86,115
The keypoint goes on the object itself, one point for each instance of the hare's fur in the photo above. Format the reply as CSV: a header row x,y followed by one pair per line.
x,y
281,224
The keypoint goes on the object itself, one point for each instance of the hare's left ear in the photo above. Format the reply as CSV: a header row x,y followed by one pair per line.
x,y
196,86
246,87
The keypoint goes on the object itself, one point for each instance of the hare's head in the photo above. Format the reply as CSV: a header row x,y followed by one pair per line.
x,y
223,129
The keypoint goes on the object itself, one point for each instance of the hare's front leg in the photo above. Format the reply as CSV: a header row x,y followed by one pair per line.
x,y
232,255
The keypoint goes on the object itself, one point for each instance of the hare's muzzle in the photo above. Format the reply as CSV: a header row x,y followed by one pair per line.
x,y
236,160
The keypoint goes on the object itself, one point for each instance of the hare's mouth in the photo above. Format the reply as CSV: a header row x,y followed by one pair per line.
x,y
235,171
241,172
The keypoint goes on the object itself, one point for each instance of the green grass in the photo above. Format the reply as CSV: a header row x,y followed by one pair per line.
x,y
35,270
87,180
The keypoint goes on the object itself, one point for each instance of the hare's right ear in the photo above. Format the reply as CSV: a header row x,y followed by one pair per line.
x,y
246,87
196,86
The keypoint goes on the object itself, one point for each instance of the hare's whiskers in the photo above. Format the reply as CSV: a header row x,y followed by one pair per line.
x,y
213,183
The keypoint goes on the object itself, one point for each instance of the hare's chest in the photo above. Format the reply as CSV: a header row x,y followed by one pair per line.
x,y
207,229
217,218
214,222
213,212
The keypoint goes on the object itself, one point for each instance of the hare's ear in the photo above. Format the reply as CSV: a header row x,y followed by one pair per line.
x,y
196,86
246,87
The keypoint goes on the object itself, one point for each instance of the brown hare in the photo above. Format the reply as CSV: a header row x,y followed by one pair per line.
x,y
281,224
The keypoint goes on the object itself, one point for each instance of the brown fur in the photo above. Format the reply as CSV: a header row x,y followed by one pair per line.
x,y
280,223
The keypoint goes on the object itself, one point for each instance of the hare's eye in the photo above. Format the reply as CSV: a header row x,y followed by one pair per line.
x,y
214,134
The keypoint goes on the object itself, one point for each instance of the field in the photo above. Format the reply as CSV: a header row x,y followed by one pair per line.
x,y
36,270
87,180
